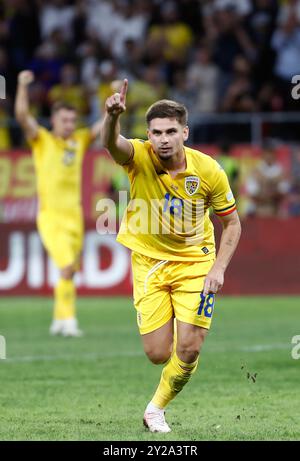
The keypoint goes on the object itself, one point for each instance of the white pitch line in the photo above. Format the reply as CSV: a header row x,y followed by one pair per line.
x,y
88,356
265,347
96,356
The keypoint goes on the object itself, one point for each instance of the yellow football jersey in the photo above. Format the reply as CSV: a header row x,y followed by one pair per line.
x,y
168,218
58,165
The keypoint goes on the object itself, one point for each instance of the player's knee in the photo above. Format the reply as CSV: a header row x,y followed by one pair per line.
x,y
187,354
67,272
158,357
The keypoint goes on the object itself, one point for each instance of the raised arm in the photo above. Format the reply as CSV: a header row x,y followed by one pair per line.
x,y
230,238
119,147
23,116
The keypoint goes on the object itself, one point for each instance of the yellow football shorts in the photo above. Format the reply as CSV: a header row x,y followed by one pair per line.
x,y
166,289
62,236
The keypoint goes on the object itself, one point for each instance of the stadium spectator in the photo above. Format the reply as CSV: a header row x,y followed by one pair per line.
x,y
174,36
239,96
87,53
181,91
69,90
202,77
46,64
57,14
143,92
232,40
133,26
132,58
79,23
267,186
286,43
190,12
107,73
23,32
260,24
288,8
61,45
242,7
104,20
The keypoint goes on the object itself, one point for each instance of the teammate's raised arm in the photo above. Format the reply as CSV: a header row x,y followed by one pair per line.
x,y
23,116
119,147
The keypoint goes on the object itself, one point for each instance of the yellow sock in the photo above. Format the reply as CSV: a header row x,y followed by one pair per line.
x,y
174,376
65,295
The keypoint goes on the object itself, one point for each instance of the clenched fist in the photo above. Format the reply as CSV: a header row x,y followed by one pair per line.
x,y
25,77
115,104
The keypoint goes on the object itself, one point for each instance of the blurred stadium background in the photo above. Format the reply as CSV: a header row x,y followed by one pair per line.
x,y
231,62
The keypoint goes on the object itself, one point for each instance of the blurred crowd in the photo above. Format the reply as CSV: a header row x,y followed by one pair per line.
x,y
266,184
215,56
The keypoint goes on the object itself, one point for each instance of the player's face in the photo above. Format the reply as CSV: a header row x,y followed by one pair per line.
x,y
167,137
64,122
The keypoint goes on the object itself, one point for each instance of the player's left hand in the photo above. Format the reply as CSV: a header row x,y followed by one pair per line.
x,y
115,105
213,281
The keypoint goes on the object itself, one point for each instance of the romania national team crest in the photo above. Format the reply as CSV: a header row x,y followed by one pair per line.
x,y
191,184
69,156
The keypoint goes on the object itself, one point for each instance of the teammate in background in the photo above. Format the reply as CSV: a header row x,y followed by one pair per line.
x,y
175,274
58,156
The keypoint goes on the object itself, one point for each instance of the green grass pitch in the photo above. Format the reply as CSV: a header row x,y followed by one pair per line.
x,y
96,387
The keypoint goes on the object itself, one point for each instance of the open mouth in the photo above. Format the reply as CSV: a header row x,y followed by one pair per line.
x,y
165,149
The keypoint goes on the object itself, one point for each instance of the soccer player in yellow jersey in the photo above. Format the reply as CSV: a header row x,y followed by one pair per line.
x,y
175,270
58,157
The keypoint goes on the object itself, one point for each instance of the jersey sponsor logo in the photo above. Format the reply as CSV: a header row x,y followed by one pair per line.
x,y
191,184
205,250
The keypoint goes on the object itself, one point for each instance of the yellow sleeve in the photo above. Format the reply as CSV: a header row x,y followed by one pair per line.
x,y
222,199
36,144
84,135
137,157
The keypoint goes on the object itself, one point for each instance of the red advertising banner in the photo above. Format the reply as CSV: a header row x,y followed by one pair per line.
x,y
25,268
267,261
18,202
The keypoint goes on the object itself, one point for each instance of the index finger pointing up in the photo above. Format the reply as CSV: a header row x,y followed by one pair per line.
x,y
123,90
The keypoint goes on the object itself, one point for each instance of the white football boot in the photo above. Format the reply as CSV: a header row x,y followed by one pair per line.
x,y
56,327
155,421
70,328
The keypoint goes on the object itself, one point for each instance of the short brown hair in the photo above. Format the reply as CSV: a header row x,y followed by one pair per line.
x,y
58,105
166,108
